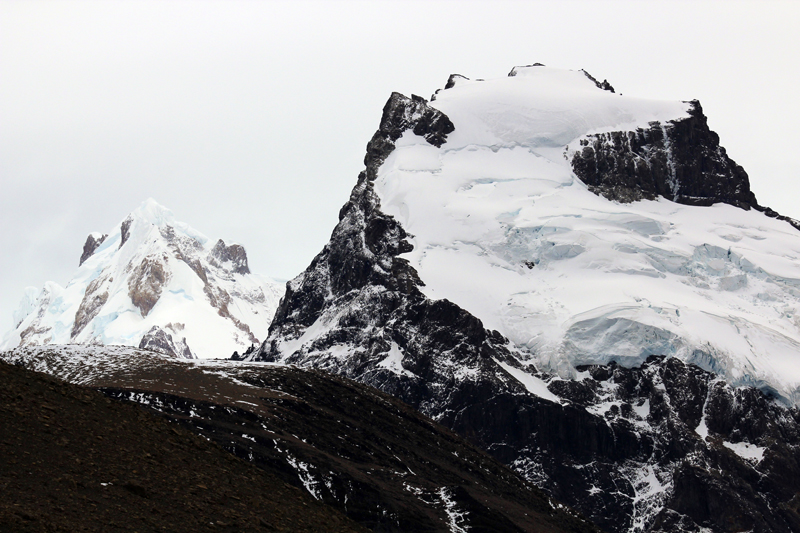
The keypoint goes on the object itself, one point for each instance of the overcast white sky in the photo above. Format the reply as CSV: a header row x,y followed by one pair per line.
x,y
249,119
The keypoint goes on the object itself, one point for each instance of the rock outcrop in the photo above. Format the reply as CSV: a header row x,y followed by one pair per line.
x,y
161,341
93,242
94,299
125,231
146,283
680,160
232,257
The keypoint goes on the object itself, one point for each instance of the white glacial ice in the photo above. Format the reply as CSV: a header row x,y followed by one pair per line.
x,y
502,227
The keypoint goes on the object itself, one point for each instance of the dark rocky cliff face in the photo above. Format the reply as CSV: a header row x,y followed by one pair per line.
x,y
125,231
626,447
90,246
365,243
665,447
680,160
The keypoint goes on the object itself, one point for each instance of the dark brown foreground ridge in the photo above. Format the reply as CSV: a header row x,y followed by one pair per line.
x,y
350,446
72,459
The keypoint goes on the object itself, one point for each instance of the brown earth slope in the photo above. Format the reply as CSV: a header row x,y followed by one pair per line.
x,y
72,459
359,450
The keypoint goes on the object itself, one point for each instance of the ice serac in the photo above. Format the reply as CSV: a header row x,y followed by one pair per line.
x,y
155,283
475,276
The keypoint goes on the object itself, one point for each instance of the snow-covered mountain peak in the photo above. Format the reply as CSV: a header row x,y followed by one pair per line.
x,y
153,282
513,230
154,213
505,224
540,106
583,225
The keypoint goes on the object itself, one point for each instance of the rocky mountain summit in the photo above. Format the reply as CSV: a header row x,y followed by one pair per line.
x,y
511,259
156,283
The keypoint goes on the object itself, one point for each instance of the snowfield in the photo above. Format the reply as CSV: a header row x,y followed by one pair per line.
x,y
503,228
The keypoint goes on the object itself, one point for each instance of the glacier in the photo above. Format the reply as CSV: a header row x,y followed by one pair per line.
x,y
503,227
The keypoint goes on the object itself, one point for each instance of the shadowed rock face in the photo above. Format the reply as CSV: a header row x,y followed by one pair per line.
x,y
125,231
75,460
372,458
680,160
234,255
349,446
90,246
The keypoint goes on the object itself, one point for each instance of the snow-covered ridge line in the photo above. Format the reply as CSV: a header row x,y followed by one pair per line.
x,y
152,282
84,364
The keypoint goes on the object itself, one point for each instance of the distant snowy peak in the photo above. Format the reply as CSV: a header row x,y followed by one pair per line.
x,y
153,282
